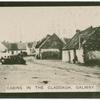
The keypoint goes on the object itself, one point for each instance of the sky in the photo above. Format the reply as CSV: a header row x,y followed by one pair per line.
x,y
34,23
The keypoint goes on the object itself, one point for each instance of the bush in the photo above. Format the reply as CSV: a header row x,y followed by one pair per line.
x,y
93,62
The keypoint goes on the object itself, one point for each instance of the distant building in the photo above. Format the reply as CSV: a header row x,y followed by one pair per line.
x,y
49,47
3,50
83,47
30,48
16,48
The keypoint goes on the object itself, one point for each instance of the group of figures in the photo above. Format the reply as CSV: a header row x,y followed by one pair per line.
x,y
13,59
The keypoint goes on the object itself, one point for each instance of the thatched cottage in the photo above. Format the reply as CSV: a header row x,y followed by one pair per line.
x,y
15,48
83,47
49,47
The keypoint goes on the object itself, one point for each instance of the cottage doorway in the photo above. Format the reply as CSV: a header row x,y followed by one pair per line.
x,y
75,59
12,52
69,56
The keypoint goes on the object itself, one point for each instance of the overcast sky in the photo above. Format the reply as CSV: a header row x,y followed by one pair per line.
x,y
33,23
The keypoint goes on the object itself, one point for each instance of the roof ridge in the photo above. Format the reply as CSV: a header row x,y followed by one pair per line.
x,y
95,29
50,38
77,33
45,41
58,37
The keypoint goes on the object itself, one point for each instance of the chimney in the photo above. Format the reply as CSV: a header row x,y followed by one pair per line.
x,y
47,36
77,31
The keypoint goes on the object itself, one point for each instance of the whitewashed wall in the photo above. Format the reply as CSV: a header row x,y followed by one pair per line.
x,y
2,54
45,50
37,51
28,51
72,55
65,56
79,54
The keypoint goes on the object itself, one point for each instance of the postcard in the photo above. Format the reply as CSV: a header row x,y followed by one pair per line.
x,y
48,49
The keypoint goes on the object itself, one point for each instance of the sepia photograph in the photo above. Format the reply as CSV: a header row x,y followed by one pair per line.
x,y
49,49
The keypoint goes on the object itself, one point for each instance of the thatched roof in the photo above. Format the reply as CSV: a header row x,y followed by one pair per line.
x,y
66,40
93,43
41,41
2,47
15,46
6,44
83,36
51,42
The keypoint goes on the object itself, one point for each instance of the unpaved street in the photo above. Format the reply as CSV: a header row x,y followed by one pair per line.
x,y
48,72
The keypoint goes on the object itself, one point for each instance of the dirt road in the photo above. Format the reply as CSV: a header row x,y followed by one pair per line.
x,y
47,72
